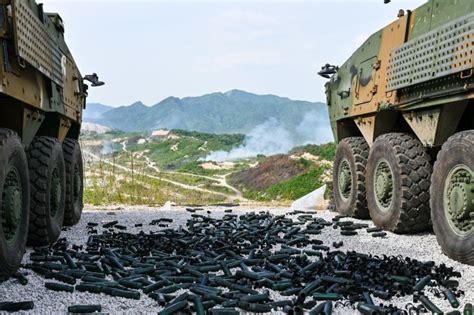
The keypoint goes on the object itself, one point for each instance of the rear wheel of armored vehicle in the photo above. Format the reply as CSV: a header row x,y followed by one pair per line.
x,y
74,182
452,197
14,202
48,190
398,183
349,177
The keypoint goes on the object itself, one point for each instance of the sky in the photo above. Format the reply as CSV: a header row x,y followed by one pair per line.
x,y
151,49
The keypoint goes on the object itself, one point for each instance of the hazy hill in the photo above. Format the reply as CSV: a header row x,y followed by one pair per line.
x,y
232,112
94,111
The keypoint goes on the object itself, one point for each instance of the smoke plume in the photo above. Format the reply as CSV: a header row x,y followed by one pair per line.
x,y
273,137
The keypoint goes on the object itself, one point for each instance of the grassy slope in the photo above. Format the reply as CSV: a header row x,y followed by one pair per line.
x,y
108,185
291,189
299,185
279,177
324,151
189,148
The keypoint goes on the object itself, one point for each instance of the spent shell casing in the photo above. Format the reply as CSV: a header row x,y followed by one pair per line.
x,y
22,279
154,286
224,311
468,309
82,309
369,309
159,297
327,297
254,307
368,298
255,298
122,293
130,284
174,308
16,306
59,287
430,306
318,309
327,308
451,298
420,285
198,307
374,229
64,278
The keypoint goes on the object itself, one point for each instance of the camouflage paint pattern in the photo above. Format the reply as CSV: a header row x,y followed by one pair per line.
x,y
42,91
417,73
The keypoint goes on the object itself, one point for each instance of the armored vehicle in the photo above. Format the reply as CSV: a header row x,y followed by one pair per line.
x,y
402,113
42,96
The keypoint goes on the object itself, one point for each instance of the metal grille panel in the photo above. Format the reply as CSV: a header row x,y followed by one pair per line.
x,y
443,51
34,43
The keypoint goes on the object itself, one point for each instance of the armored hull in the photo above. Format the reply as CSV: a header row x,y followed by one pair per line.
x,y
42,96
402,112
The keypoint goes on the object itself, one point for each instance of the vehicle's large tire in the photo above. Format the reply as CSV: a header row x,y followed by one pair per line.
x,y
14,202
74,182
398,182
48,190
349,177
452,197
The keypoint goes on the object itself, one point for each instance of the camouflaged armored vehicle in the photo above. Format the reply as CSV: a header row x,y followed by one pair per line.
x,y
42,96
402,112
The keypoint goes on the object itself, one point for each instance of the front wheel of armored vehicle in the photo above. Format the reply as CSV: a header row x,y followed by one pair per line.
x,y
452,197
48,190
74,182
349,177
14,202
398,183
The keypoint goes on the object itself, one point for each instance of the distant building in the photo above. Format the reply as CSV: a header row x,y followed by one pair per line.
x,y
162,133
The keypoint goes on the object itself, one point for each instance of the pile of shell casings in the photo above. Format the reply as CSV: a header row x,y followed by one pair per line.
x,y
257,262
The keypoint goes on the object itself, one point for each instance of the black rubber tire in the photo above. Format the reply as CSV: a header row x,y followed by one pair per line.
x,y
356,151
74,195
44,156
409,211
12,154
459,149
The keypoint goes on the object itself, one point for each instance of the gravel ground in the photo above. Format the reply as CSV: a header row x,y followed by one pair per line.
x,y
422,247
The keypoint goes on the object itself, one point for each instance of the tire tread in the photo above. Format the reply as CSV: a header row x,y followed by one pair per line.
x,y
416,169
38,154
360,150
468,138
69,146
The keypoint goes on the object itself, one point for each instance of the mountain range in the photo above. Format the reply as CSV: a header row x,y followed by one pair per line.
x,y
231,112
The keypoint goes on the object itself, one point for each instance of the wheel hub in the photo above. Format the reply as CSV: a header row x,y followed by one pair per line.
x,y
459,198
345,179
383,184
12,204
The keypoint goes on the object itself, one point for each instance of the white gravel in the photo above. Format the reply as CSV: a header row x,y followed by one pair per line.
x,y
422,247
